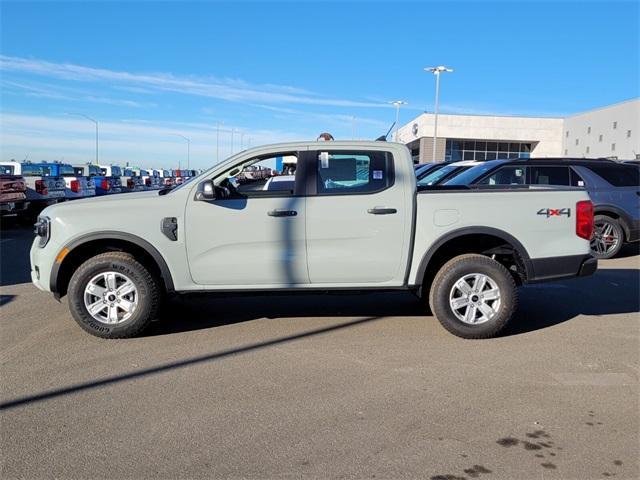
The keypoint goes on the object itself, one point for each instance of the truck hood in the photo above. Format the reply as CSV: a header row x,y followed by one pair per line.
x,y
95,204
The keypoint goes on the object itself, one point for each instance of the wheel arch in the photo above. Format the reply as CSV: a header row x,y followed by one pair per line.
x,y
480,239
86,246
617,214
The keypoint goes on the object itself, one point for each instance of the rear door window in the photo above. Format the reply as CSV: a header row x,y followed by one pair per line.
x,y
618,175
547,175
511,175
36,170
342,173
6,170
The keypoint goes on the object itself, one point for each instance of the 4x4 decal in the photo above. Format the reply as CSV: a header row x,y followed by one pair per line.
x,y
554,212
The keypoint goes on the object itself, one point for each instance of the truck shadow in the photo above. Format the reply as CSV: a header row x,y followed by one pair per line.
x,y
609,291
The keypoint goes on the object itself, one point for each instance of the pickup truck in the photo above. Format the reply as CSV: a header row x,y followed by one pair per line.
x,y
355,220
132,181
77,185
12,192
43,185
104,185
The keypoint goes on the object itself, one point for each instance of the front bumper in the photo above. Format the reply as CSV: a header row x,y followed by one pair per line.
x,y
557,268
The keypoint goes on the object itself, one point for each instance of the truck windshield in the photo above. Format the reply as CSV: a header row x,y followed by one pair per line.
x,y
467,177
433,178
36,170
94,170
115,171
6,170
67,171
129,173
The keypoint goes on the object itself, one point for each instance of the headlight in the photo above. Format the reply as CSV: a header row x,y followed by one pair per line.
x,y
42,229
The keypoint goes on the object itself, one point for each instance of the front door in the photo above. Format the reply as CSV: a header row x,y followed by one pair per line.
x,y
256,236
358,219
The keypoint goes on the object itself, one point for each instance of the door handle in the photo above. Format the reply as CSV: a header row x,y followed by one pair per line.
x,y
282,213
382,211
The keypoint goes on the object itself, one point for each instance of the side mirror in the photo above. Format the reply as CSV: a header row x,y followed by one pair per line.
x,y
206,191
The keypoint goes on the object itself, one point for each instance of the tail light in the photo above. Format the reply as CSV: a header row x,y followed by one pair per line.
x,y
131,184
105,185
41,187
584,219
147,182
75,186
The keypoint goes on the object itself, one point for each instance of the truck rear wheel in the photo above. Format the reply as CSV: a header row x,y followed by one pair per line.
x,y
473,296
113,296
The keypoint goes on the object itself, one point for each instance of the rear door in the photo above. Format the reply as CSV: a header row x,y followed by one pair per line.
x,y
357,218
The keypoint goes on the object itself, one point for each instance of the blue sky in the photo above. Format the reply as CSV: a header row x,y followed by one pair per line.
x,y
283,71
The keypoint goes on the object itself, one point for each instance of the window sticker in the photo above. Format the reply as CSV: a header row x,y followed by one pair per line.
x,y
324,159
580,183
377,174
519,172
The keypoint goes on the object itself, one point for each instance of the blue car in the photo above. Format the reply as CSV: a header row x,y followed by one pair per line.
x,y
614,189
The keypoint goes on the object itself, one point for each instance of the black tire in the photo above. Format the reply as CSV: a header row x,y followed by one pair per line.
x,y
600,221
456,269
149,295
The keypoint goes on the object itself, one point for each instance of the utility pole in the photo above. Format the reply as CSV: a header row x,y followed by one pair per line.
x,y
188,148
94,121
397,104
436,71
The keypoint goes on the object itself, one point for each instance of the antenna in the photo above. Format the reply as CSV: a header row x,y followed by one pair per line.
x,y
383,138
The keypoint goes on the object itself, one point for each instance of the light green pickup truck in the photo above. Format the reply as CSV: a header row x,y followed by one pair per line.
x,y
351,219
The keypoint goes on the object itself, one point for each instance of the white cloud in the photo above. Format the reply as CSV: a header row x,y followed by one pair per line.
x,y
223,89
150,144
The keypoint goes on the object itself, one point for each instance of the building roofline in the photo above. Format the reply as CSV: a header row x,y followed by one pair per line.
x,y
628,100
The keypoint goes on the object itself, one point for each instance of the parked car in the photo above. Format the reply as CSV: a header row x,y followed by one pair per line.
x,y
77,185
44,187
253,173
131,180
614,189
12,192
166,180
441,172
179,176
369,228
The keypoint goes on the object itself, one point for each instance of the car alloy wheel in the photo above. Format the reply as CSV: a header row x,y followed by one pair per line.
x,y
606,238
111,297
475,298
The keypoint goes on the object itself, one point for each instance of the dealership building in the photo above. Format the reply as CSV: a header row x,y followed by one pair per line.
x,y
612,132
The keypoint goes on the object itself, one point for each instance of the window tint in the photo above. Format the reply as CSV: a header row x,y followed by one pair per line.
x,y
6,170
258,175
357,172
67,171
512,175
36,170
618,175
549,176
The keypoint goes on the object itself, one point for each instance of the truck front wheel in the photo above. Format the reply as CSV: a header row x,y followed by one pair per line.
x,y
473,296
113,296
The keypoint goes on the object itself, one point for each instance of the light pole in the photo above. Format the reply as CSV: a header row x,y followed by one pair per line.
x,y
241,140
188,148
232,132
94,121
436,71
218,140
397,104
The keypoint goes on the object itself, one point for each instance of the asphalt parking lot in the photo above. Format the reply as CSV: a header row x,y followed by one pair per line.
x,y
333,386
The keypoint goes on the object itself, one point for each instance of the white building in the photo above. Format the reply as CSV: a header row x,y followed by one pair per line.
x,y
611,131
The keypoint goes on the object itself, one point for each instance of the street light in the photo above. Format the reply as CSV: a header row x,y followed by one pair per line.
x,y
436,71
188,148
398,104
94,121
218,140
